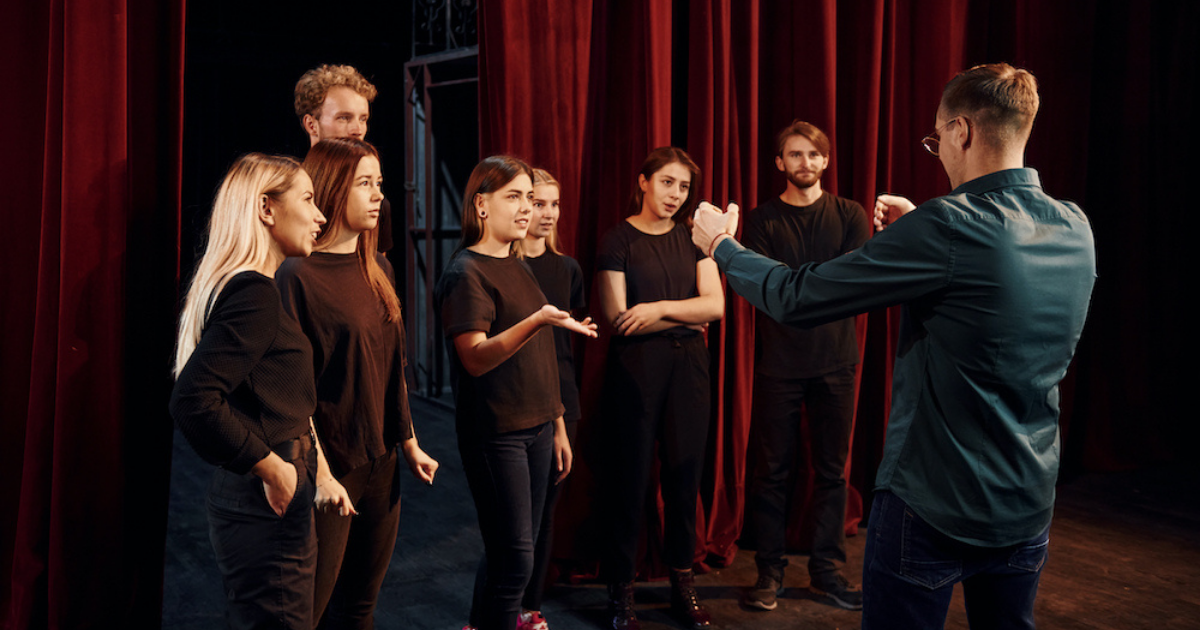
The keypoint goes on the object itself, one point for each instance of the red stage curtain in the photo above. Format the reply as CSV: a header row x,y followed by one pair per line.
x,y
720,77
92,175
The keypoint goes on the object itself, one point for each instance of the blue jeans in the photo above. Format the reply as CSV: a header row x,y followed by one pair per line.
x,y
910,569
507,473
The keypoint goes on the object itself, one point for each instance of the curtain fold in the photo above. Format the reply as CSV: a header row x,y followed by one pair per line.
x,y
89,300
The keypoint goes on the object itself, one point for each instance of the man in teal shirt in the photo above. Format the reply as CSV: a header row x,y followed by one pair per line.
x,y
994,280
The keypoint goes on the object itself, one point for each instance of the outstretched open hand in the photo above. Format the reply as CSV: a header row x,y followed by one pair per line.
x,y
558,317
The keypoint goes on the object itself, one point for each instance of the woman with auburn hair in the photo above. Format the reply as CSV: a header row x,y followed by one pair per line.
x,y
508,413
244,395
344,299
659,293
561,280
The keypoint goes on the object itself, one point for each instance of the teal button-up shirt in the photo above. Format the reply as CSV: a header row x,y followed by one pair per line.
x,y
995,280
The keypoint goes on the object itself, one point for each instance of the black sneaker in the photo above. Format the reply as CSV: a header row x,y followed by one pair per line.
x,y
839,592
762,595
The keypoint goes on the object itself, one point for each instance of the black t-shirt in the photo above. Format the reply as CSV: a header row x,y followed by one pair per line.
x,y
478,292
656,266
358,357
795,235
561,281
248,386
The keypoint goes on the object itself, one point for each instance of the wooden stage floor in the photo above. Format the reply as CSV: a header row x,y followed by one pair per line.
x,y
1124,554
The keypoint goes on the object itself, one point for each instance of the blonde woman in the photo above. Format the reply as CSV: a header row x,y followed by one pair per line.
x,y
561,280
244,395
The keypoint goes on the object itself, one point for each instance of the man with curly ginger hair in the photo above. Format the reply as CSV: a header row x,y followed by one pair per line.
x,y
334,101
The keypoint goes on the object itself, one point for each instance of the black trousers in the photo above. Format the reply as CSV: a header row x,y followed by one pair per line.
x,y
775,438
544,545
656,393
507,474
268,562
353,553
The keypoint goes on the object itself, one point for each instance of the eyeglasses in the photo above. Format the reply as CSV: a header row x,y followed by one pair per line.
x,y
932,142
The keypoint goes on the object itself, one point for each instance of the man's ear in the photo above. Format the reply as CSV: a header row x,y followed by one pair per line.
x,y
779,163
310,125
266,213
964,133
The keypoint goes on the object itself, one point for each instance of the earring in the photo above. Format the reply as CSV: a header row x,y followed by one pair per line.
x,y
483,214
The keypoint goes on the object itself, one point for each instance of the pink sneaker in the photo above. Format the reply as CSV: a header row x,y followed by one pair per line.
x,y
532,620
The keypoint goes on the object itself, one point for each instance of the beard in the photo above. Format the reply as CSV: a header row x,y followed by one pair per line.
x,y
805,180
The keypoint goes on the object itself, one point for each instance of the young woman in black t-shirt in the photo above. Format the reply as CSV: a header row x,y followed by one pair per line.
x,y
659,293
244,395
344,299
508,413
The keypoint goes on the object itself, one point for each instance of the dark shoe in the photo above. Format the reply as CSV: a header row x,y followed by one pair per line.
x,y
686,603
620,601
762,595
839,592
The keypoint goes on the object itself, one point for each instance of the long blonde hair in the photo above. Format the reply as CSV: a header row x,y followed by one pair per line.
x,y
541,177
237,239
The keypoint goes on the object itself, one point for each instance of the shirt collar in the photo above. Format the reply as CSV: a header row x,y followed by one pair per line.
x,y
1000,179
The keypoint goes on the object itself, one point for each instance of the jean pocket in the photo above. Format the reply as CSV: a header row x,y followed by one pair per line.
x,y
924,557
1030,557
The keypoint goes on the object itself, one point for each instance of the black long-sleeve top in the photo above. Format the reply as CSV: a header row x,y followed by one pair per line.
x,y
358,357
248,385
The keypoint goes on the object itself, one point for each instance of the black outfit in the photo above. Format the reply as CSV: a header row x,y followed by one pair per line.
x,y
504,423
246,390
385,241
561,280
797,367
656,389
362,414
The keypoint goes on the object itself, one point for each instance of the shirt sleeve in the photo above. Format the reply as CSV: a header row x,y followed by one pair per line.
x,y
754,235
858,229
397,389
912,257
242,327
466,305
614,252
578,290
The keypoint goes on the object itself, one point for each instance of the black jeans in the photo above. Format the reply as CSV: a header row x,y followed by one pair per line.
x,y
775,436
507,473
656,390
268,562
544,545
353,553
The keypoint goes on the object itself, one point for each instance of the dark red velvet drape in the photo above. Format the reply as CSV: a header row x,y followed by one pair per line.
x,y
91,169
721,77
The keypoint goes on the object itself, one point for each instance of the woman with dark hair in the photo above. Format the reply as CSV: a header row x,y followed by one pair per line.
x,y
659,293
344,299
508,413
244,395
561,280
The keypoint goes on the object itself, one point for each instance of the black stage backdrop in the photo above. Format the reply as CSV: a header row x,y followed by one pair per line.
x,y
99,161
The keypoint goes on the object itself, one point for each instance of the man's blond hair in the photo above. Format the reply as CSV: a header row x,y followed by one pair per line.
x,y
315,84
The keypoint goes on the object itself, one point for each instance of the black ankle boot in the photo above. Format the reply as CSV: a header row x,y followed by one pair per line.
x,y
620,602
686,603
